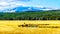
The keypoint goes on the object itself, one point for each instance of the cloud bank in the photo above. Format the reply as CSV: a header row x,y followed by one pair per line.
x,y
6,5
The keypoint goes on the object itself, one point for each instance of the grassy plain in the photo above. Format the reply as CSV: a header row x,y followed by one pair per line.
x,y
11,27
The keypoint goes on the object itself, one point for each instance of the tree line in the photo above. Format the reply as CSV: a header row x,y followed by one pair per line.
x,y
51,15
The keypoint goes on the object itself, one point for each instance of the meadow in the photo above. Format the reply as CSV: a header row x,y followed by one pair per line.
x,y
11,27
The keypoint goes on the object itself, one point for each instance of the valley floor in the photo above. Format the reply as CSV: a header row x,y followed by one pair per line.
x,y
11,27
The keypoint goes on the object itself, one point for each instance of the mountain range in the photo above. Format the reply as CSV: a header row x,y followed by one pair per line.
x,y
22,9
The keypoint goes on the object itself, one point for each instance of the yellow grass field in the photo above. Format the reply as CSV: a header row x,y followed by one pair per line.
x,y
11,27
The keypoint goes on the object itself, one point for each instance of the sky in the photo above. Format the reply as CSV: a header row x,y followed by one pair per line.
x,y
9,4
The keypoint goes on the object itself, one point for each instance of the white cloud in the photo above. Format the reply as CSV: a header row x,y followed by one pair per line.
x,y
4,3
40,6
47,9
9,4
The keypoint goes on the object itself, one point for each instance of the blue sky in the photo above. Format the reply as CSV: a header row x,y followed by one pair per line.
x,y
44,3
9,4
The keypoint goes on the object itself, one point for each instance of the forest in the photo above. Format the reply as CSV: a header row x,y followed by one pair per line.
x,y
31,15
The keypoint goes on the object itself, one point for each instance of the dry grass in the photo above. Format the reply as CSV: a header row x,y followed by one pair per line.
x,y
11,27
